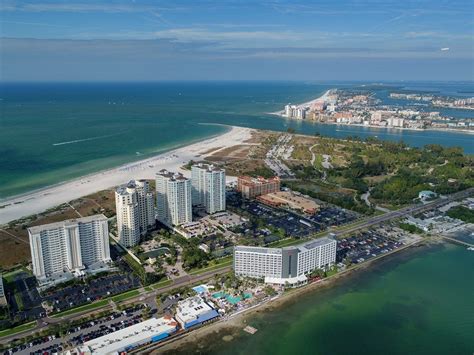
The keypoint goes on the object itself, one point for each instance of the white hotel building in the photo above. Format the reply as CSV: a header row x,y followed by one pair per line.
x,y
173,198
69,248
135,211
284,265
208,187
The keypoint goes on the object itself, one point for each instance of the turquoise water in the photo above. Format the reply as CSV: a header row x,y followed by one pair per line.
x,y
417,302
55,132
233,300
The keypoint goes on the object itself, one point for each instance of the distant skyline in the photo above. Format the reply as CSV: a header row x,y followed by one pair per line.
x,y
236,40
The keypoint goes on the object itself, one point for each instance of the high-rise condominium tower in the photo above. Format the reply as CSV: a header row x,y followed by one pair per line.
x,y
173,198
135,211
69,246
208,187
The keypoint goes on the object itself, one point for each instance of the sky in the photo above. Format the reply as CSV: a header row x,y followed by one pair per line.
x,y
135,40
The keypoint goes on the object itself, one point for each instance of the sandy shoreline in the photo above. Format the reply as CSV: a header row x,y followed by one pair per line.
x,y
40,200
305,104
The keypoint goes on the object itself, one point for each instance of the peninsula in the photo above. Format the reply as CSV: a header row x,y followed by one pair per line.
x,y
362,108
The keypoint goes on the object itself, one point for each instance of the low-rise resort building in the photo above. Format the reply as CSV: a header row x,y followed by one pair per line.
x,y
251,187
194,311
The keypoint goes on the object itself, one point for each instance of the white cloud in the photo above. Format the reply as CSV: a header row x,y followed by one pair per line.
x,y
90,6
197,34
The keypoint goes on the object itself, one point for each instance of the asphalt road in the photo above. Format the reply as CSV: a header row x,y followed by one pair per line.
x,y
405,211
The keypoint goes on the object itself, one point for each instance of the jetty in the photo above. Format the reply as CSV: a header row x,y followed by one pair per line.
x,y
457,241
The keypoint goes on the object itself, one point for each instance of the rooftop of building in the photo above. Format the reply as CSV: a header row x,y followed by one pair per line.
x,y
208,167
191,308
310,244
257,180
261,250
137,333
288,197
172,176
66,223
131,186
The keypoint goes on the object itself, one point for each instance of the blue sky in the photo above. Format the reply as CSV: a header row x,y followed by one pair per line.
x,y
236,40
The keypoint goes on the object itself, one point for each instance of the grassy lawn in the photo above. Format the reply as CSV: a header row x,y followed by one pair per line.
x,y
20,328
86,307
351,225
19,301
8,277
222,263
125,296
161,284
285,243
318,161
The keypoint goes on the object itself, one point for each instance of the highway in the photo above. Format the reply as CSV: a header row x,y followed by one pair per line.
x,y
403,212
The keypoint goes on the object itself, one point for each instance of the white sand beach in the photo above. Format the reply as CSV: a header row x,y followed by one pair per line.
x,y
43,199
323,97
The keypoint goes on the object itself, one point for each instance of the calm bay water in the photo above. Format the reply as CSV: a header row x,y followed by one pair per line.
x,y
417,302
55,132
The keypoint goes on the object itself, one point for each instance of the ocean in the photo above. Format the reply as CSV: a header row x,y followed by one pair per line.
x,y
419,301
52,132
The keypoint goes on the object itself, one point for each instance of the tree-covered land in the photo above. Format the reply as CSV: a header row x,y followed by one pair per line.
x,y
462,213
394,173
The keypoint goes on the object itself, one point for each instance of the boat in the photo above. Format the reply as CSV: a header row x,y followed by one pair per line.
x,y
470,248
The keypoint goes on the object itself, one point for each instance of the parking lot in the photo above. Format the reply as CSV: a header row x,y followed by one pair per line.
x,y
369,244
78,294
78,334
23,298
332,216
293,224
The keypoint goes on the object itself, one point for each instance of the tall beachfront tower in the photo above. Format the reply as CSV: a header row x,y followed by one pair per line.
x,y
69,246
135,211
173,198
208,187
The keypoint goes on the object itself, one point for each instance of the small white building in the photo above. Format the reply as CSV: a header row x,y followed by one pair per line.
x,y
427,195
194,311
